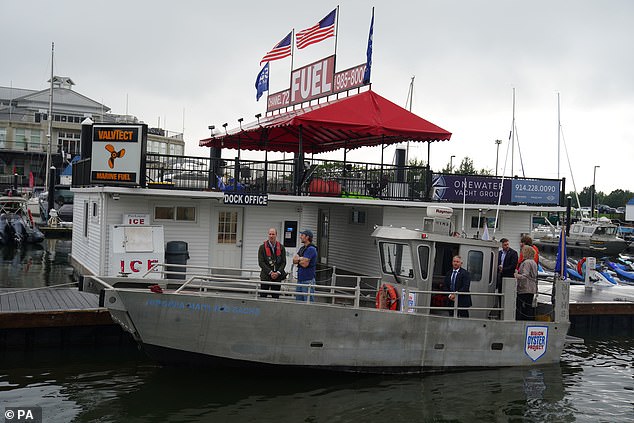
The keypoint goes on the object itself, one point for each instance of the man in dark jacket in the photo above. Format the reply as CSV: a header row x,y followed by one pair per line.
x,y
458,281
507,263
272,261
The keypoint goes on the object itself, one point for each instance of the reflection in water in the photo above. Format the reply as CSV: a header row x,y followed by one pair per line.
x,y
594,383
96,386
35,265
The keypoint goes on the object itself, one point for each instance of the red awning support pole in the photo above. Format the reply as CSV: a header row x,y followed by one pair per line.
x,y
382,151
266,165
299,163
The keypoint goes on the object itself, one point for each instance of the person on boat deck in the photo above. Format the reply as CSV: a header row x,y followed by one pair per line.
x,y
306,261
526,277
527,240
272,261
458,280
507,262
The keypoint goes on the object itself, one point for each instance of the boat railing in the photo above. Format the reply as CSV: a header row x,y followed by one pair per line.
x,y
353,291
453,310
314,293
183,271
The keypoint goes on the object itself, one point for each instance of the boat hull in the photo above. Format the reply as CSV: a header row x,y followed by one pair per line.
x,y
246,331
584,248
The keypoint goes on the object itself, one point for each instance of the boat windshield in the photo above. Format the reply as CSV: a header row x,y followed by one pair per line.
x,y
396,259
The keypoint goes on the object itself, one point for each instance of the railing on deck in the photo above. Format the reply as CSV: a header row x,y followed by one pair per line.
x,y
314,177
342,290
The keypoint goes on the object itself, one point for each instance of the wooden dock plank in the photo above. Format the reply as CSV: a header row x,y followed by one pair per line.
x,y
61,300
46,299
13,304
4,302
37,301
55,300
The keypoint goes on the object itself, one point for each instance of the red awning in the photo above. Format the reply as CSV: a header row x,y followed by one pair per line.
x,y
360,120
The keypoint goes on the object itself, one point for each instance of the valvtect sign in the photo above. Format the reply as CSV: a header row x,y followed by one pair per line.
x,y
117,154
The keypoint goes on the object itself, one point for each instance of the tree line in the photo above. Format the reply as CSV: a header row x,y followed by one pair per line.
x,y
617,198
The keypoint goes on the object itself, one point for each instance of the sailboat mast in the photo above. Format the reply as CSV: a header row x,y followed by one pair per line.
x,y
410,97
558,135
513,134
49,133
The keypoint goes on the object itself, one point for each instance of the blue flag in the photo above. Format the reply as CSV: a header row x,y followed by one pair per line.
x,y
368,66
262,81
562,259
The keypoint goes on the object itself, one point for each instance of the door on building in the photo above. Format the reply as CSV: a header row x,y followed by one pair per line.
x,y
227,242
323,235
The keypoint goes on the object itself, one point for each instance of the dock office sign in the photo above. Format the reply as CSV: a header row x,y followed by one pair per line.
x,y
118,155
246,199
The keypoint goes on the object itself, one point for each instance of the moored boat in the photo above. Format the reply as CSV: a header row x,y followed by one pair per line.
x,y
588,237
16,223
345,326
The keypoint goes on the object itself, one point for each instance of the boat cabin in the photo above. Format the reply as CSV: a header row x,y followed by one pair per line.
x,y
419,260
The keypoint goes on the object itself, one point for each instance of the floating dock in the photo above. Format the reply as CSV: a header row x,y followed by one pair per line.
x,y
55,317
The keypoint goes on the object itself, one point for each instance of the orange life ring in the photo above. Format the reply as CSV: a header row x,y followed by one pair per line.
x,y
387,298
580,265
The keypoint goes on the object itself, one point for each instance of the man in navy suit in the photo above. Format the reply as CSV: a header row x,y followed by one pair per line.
x,y
458,280
507,263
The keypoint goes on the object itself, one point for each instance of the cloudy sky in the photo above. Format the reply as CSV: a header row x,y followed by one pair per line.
x,y
191,64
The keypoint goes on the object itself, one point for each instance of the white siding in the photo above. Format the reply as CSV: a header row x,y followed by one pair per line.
x,y
87,250
260,219
401,217
350,245
512,226
310,216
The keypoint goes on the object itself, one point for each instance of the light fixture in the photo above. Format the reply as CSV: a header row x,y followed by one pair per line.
x,y
240,122
211,129
224,125
258,116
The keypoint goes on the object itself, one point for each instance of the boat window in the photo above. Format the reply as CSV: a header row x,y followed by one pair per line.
x,y
610,231
588,229
475,260
396,259
576,229
423,259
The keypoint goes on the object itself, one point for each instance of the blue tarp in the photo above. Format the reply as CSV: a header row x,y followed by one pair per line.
x,y
68,170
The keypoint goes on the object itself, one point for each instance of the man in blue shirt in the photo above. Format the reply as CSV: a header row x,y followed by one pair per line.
x,y
306,261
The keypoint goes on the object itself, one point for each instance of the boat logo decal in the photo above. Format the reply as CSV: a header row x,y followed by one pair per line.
x,y
114,154
536,341
202,307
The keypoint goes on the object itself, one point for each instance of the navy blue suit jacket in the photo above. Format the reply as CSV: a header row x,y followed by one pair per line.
x,y
510,263
463,280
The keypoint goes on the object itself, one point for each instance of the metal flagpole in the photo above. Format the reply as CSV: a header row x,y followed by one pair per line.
x,y
336,32
292,52
49,134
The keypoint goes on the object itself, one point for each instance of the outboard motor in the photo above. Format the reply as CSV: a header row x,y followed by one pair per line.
x,y
18,230
4,229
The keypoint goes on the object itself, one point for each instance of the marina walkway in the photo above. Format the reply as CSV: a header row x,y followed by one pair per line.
x,y
50,307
